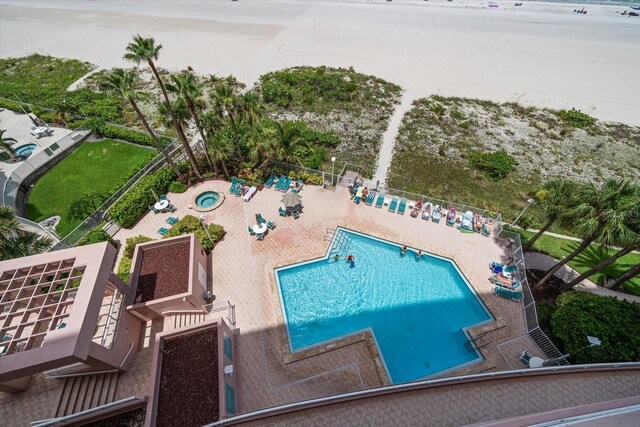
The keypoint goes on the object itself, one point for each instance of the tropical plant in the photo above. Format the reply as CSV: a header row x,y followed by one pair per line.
x,y
96,236
123,83
263,144
553,199
598,214
288,134
186,87
62,109
251,107
8,222
22,243
620,279
190,224
85,205
227,103
212,122
5,144
144,49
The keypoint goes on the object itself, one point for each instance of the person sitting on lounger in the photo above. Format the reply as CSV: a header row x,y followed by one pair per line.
x,y
365,191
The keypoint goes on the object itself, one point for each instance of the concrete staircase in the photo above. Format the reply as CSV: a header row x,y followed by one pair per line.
x,y
86,392
181,320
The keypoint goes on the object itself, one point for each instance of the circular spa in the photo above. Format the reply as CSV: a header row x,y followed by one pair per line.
x,y
207,201
25,150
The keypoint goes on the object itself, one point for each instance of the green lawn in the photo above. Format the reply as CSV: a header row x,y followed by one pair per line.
x,y
94,167
559,248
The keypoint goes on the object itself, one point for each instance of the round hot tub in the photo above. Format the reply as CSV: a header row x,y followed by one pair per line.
x,y
25,150
207,201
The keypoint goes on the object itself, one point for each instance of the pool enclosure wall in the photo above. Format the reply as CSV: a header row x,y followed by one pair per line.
x,y
228,393
62,311
196,286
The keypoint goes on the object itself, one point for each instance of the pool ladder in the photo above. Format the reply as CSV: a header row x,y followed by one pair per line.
x,y
340,241
472,345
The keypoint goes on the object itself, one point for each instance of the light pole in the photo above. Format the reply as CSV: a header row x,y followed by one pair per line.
x,y
333,169
593,342
529,203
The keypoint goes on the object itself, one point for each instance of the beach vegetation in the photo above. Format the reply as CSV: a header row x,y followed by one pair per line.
x,y
496,164
91,173
576,118
96,236
190,224
177,187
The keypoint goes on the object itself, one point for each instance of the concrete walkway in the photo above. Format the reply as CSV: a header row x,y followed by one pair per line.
x,y
538,261
389,137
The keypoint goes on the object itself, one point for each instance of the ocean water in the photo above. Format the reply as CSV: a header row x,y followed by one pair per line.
x,y
416,309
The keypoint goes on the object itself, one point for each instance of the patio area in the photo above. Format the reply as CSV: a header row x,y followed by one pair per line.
x,y
242,273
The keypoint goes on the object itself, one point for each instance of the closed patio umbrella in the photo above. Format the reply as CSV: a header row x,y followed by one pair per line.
x,y
291,200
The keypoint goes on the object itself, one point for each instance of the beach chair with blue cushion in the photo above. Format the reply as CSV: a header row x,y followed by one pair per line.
x,y
525,358
380,200
394,204
261,236
280,182
370,197
163,197
251,232
286,185
153,209
269,182
507,294
282,212
261,218
172,220
271,225
402,206
358,197
162,231
234,184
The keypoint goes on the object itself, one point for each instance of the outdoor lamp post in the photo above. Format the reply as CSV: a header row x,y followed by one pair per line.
x,y
529,203
593,342
333,169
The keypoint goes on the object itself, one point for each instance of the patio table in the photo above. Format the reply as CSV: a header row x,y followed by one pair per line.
x,y
536,362
260,228
161,205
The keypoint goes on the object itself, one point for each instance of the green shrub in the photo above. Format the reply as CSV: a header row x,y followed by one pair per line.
x,y
177,187
545,310
13,106
495,164
140,138
191,224
308,178
576,118
127,256
613,321
96,236
136,201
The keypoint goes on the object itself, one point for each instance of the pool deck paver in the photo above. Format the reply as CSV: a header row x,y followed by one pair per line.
x,y
243,273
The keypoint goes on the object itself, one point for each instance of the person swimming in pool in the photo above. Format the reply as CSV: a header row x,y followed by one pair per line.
x,y
403,251
418,255
351,260
336,257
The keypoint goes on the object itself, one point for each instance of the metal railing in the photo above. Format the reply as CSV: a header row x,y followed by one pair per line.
x,y
100,214
222,306
530,314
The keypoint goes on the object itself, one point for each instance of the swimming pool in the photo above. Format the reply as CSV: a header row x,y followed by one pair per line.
x,y
416,309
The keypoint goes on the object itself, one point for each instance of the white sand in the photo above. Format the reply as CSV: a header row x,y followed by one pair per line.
x,y
540,53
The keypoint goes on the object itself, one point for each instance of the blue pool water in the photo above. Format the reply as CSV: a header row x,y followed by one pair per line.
x,y
416,309
23,150
207,199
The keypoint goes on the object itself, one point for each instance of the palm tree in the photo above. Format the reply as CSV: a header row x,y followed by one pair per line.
x,y
251,107
5,146
631,244
553,199
8,222
212,123
627,275
62,109
288,139
144,49
221,153
599,214
185,86
123,84
22,243
226,102
263,145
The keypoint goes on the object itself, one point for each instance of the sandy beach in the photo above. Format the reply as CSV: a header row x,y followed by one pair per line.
x,y
540,53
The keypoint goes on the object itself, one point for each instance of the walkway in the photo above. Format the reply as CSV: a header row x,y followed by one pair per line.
x,y
463,402
540,261
390,135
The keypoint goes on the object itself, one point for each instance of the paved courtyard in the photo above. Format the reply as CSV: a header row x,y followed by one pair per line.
x,y
242,272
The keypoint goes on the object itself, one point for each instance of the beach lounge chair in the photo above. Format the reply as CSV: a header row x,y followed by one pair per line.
x,y
402,206
467,221
234,184
436,216
295,214
451,217
370,197
269,182
394,204
170,208
153,209
251,232
271,225
298,187
380,200
172,220
280,182
163,197
487,227
162,231
286,185
261,218
416,209
426,212
282,212
525,358
261,236
507,294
